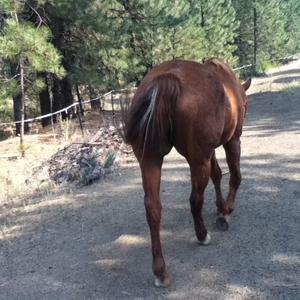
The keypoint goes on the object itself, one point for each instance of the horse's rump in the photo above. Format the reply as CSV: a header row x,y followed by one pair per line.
x,y
151,119
186,104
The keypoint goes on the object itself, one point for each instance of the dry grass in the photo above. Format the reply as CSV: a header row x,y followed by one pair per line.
x,y
18,177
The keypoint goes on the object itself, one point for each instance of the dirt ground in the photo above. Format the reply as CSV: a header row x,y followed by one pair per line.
x,y
93,242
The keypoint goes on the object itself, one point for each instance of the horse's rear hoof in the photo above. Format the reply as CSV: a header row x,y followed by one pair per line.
x,y
206,241
162,283
222,223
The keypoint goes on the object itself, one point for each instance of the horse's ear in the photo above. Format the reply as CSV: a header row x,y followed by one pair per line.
x,y
246,84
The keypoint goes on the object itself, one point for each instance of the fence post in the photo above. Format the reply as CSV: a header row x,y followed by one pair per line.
x,y
80,120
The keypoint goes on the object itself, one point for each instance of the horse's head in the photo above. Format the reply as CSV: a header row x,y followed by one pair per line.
x,y
246,86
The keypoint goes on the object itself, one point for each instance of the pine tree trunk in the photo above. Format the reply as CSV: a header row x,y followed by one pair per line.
x,y
17,104
45,102
62,94
202,15
254,37
80,111
66,88
21,63
62,88
17,112
79,100
94,104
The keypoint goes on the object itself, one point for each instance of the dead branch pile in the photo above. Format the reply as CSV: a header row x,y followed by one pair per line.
x,y
76,163
84,163
109,138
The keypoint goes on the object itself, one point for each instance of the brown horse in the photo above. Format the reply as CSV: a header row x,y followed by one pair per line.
x,y
195,108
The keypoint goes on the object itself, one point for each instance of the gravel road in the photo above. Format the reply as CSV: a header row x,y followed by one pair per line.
x,y
93,243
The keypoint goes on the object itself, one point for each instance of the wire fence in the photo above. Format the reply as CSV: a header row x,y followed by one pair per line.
x,y
66,109
110,93
272,60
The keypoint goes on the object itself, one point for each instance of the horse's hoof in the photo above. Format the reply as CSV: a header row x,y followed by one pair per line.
x,y
162,283
222,223
206,241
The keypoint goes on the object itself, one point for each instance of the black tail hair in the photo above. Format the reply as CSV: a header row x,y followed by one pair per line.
x,y
152,115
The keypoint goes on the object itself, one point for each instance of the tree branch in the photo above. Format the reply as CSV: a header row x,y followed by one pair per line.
x,y
41,21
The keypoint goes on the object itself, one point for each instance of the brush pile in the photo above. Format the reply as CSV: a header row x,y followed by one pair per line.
x,y
76,163
84,163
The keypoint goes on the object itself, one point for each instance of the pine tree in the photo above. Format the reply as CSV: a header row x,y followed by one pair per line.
x,y
218,20
271,43
244,39
268,31
28,48
291,10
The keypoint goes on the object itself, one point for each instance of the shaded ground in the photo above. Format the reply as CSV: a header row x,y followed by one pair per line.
x,y
93,243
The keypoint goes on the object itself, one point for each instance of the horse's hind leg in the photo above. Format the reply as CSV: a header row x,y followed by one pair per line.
x,y
216,177
151,174
200,176
233,153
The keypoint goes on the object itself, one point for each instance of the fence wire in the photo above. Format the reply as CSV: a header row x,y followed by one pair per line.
x,y
77,103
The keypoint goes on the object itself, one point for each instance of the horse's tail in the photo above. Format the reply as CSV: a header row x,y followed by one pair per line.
x,y
151,120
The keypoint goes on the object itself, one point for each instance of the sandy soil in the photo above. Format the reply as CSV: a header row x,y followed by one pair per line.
x,y
93,243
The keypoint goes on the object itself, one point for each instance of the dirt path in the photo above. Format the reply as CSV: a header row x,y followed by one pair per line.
x,y
93,243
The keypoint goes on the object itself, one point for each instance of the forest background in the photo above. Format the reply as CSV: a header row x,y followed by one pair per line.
x,y
55,52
